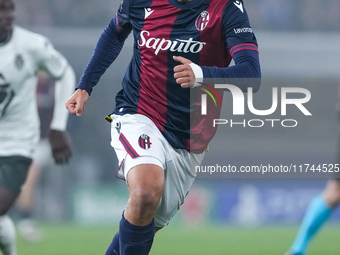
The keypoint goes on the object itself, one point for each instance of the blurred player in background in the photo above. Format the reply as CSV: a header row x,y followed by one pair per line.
x,y
320,210
316,216
25,206
22,54
177,45
42,159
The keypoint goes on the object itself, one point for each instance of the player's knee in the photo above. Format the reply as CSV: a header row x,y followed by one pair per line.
x,y
336,194
146,198
332,193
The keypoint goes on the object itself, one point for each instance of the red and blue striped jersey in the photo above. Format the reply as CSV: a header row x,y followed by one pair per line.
x,y
208,32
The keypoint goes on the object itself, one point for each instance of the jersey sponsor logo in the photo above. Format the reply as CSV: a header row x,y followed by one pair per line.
x,y
144,142
178,45
202,20
243,30
239,5
148,12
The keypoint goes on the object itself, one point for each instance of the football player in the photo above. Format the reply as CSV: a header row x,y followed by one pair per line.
x,y
178,44
22,54
316,216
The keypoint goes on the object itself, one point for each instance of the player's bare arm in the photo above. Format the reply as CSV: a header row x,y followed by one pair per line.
x,y
75,104
183,72
60,145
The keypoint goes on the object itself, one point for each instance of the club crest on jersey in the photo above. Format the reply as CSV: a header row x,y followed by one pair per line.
x,y
144,142
19,62
202,20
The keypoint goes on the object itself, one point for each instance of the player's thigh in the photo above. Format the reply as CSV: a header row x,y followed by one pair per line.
x,y
178,181
146,183
7,199
13,173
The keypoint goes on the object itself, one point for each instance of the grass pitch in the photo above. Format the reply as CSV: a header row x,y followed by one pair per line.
x,y
214,240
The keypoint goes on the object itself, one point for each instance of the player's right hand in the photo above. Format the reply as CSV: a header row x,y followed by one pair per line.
x,y
75,104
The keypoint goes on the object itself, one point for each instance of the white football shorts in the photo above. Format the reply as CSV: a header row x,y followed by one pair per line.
x,y
137,140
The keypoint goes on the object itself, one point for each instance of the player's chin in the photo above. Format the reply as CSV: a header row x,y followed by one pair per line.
x,y
6,27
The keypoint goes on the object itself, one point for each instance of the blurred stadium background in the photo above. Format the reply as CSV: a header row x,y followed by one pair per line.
x,y
297,40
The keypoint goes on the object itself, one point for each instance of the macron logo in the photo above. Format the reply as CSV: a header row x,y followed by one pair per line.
x,y
239,5
148,12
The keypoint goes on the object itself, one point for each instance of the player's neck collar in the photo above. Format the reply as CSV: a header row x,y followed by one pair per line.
x,y
187,5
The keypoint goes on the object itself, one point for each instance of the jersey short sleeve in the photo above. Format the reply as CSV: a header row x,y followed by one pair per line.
x,y
236,28
49,59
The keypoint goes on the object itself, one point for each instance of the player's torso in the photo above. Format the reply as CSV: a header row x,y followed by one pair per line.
x,y
19,122
163,29
17,75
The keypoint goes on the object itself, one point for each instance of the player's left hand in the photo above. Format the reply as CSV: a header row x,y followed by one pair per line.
x,y
60,144
183,72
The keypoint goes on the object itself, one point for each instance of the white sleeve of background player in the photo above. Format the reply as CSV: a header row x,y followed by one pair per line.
x,y
56,65
50,60
197,70
64,87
